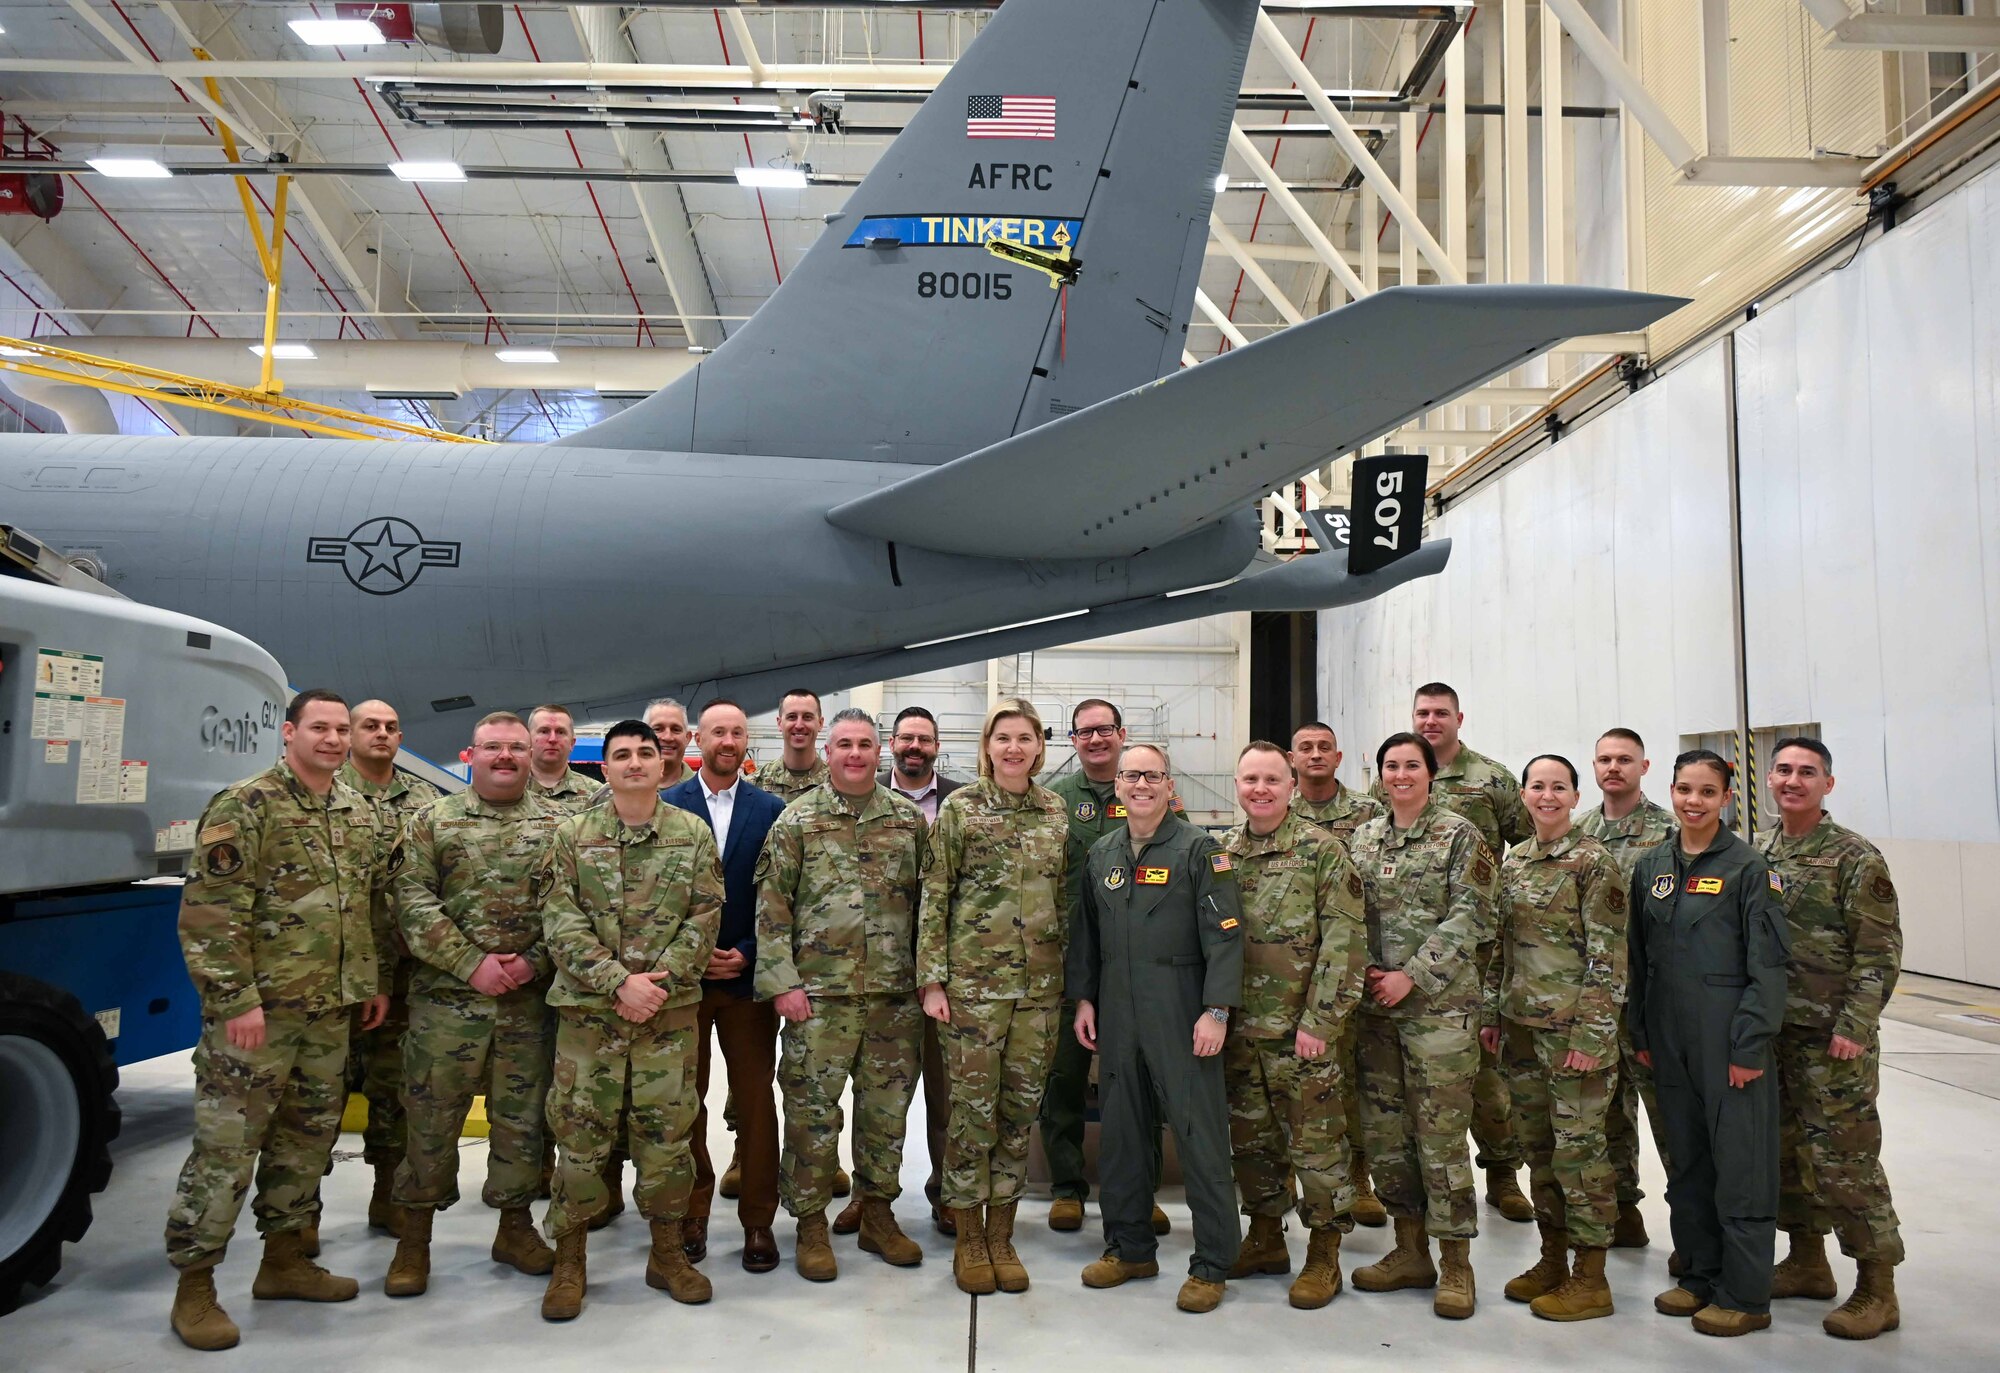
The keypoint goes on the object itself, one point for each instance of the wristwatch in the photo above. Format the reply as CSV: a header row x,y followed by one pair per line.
x,y
1219,1014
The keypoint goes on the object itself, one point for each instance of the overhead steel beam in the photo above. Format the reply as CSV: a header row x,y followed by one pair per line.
x,y
1280,48
1254,269
138,64
1215,316
662,209
1602,54
1905,32
1301,218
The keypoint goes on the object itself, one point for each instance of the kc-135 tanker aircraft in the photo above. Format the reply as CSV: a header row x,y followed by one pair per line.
x,y
958,430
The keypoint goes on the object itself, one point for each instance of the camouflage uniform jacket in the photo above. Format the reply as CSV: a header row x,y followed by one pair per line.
x,y
1476,787
1306,934
466,888
1088,807
1431,891
1644,826
393,803
838,884
995,919
1340,814
284,897
619,899
571,796
789,786
1847,936
1563,911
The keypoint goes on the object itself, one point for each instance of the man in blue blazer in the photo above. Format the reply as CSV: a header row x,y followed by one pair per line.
x,y
740,816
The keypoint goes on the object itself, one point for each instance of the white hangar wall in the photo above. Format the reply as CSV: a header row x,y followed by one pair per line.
x,y
1591,586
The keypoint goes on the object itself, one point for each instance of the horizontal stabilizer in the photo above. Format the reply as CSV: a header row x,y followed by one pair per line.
x,y
1149,466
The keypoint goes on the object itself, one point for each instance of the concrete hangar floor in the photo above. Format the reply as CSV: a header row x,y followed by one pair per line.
x,y
108,1310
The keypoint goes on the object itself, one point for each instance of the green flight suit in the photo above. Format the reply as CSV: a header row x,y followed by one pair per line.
x,y
1094,810
1709,953
1157,938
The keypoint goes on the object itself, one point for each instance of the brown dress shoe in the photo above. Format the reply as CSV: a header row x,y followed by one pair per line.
x,y
694,1238
942,1218
760,1249
849,1219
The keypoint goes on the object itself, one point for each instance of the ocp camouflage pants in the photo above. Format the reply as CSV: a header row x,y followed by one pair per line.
x,y
1416,1105
1830,1147
1493,1100
273,1112
997,1058
1621,1125
375,1069
876,1042
1559,1116
1286,1118
616,1083
460,1044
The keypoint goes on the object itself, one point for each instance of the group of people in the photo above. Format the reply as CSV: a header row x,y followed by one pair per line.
x,y
1319,1005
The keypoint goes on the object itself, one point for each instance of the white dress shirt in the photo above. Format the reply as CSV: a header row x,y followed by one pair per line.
x,y
721,809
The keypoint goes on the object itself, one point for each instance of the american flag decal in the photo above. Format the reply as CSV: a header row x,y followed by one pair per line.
x,y
1010,116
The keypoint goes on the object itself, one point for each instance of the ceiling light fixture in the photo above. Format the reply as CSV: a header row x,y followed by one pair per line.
x,y
287,352
335,33
772,178
544,356
428,171
142,167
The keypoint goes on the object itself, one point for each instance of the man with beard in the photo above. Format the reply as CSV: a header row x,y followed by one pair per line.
x,y
747,1029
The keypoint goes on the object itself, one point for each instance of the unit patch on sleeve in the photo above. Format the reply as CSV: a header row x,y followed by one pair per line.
x,y
1219,861
1777,884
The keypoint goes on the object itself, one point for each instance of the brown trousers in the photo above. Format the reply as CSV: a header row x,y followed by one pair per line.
x,y
937,1107
748,1034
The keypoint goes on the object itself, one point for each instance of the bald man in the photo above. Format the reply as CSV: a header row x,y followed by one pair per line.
x,y
375,1057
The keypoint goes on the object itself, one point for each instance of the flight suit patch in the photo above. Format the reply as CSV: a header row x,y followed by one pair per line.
x,y
1151,877
1114,879
1231,923
1219,862
1777,884
1704,886
1086,811
223,860
1115,811
1663,886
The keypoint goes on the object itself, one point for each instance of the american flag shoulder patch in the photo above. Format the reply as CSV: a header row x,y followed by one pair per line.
x,y
1010,116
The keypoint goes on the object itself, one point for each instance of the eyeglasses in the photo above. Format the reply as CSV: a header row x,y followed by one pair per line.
x,y
908,739
498,750
1151,779
1095,732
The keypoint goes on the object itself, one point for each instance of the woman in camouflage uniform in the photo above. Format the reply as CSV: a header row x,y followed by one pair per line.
x,y
1430,886
990,943
1552,1000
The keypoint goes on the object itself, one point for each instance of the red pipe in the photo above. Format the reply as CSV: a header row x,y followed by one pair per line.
x,y
769,242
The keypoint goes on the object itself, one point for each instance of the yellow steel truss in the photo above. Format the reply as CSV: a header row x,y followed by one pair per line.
x,y
34,358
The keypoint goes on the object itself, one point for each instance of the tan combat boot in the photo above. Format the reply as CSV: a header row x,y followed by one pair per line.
x,y
517,1245
971,1260
1263,1249
1009,1275
1726,1322
1065,1214
309,1239
1678,1301
1549,1272
1161,1225
1112,1271
1368,1208
1319,1281
881,1235
614,1183
849,1219
730,1184
813,1250
410,1270
563,1300
1630,1231
1583,1296
198,1319
1454,1300
383,1213
668,1269
1805,1271
1503,1190
1407,1265
288,1275
1871,1310
1199,1295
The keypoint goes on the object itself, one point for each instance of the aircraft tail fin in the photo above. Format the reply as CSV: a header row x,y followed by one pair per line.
x,y
1028,246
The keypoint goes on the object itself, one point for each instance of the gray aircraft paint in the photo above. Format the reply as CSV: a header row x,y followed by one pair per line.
x,y
685,546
